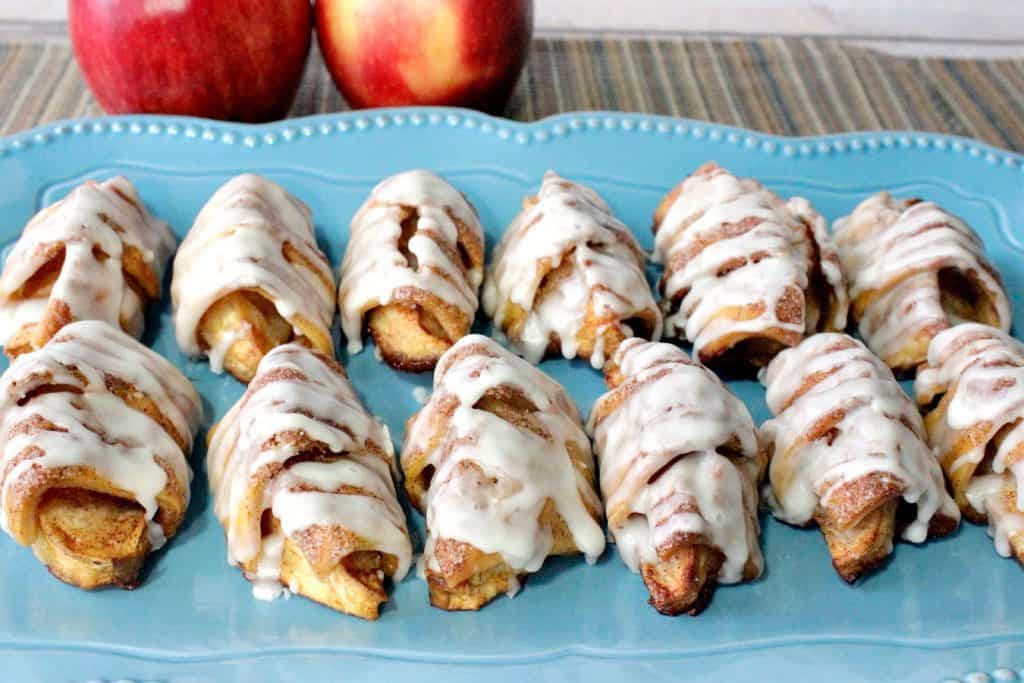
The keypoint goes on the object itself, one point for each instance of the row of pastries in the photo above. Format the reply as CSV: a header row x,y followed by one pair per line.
x,y
97,428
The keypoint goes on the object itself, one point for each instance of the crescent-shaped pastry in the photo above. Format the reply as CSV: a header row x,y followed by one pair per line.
x,y
747,273
97,254
249,276
302,482
500,465
411,270
680,466
568,277
847,449
95,430
915,269
972,391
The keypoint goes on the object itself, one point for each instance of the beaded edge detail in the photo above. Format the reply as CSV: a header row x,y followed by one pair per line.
x,y
545,130
1000,675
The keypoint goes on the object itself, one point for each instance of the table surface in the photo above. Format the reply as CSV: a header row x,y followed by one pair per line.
x,y
784,86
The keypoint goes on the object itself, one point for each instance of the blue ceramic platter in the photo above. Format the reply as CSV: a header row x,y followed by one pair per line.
x,y
948,610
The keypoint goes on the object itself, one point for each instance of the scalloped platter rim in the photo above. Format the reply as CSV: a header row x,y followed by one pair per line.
x,y
194,618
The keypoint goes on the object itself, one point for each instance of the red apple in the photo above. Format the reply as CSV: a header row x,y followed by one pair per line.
x,y
240,60
442,52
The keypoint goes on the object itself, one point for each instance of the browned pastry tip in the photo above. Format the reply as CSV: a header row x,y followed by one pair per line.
x,y
326,563
939,526
863,545
354,584
743,354
468,578
88,532
91,539
411,336
247,321
684,578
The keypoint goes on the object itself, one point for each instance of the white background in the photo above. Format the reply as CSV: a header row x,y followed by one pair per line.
x,y
993,27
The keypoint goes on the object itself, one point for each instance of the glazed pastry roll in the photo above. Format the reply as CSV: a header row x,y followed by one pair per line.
x,y
412,270
972,391
95,430
499,463
249,276
914,269
679,466
847,450
97,254
302,481
568,277
747,273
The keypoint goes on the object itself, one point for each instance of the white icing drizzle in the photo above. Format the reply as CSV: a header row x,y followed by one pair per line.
x,y
568,221
895,248
986,493
237,243
93,288
880,432
502,516
266,580
714,261
374,269
675,413
217,353
984,368
421,395
95,428
295,390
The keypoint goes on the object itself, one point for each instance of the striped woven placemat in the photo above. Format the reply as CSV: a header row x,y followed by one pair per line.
x,y
785,86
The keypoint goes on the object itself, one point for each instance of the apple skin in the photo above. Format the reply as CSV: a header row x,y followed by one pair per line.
x,y
240,60
384,53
